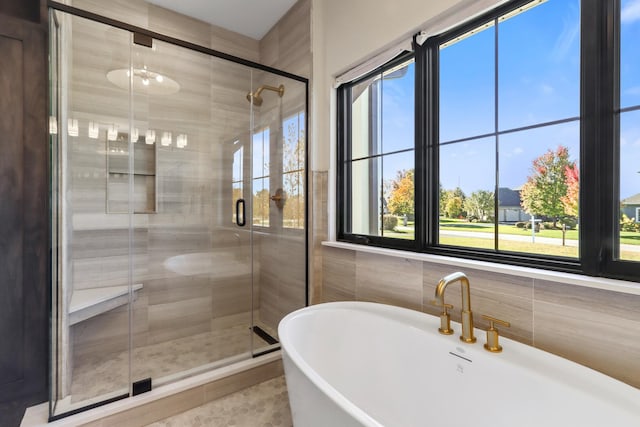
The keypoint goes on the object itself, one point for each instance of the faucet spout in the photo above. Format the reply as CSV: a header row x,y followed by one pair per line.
x,y
466,314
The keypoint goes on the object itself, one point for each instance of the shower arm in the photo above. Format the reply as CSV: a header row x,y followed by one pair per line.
x,y
279,89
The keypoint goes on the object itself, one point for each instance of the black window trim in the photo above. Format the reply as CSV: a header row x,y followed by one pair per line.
x,y
599,168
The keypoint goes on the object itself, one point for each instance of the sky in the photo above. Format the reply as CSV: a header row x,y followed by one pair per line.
x,y
538,81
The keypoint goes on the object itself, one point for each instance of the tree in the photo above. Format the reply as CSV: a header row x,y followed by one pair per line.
x,y
401,197
293,175
453,208
480,204
442,200
542,194
571,200
452,202
261,207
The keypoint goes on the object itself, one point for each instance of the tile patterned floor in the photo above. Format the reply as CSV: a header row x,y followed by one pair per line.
x,y
96,376
263,405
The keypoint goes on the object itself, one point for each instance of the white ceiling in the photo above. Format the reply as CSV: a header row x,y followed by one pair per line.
x,y
253,18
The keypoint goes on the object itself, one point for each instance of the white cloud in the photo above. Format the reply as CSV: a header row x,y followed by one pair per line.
x,y
547,89
630,12
518,150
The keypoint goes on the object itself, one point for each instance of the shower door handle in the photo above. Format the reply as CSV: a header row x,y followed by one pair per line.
x,y
238,216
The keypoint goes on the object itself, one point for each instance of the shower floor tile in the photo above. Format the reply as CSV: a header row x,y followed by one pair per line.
x,y
99,376
263,405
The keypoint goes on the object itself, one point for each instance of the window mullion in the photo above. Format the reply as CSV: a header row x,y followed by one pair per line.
x,y
596,174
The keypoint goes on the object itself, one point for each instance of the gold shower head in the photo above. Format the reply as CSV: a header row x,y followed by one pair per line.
x,y
255,97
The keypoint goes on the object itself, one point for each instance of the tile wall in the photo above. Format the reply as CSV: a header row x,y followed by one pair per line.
x,y
596,328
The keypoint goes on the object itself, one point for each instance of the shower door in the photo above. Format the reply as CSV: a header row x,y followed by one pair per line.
x,y
178,210
196,267
278,189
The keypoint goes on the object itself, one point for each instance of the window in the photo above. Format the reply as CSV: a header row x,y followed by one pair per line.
x,y
509,126
380,155
293,159
260,178
237,176
519,143
629,128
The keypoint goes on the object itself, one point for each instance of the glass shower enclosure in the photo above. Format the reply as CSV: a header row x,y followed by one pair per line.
x,y
178,209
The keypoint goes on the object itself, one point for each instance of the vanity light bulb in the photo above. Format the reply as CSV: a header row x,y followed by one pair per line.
x,y
159,78
94,130
72,127
166,139
181,140
53,125
150,137
112,133
145,82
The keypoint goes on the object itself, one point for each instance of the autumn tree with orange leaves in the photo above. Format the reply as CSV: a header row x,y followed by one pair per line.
x,y
571,200
547,186
401,197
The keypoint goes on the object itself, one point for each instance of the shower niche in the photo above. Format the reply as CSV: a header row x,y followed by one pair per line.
x,y
143,174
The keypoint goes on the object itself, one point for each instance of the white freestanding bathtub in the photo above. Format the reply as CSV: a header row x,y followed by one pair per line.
x,y
365,364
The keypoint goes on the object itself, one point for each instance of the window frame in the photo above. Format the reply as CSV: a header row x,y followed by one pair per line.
x,y
343,179
599,233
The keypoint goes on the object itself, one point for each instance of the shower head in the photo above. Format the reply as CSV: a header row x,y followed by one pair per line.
x,y
255,97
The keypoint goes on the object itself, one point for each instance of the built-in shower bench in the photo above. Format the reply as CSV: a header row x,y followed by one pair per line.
x,y
87,303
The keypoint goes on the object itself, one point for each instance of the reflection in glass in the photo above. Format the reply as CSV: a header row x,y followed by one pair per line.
x,y
261,153
539,64
237,178
366,197
467,99
261,202
467,183
382,112
293,171
365,123
629,186
261,178
398,108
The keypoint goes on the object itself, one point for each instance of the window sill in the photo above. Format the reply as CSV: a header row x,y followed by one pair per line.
x,y
534,273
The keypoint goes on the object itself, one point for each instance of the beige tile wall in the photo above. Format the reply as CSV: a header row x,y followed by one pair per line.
x,y
597,328
287,46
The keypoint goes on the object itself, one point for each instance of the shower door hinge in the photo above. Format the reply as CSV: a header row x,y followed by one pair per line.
x,y
141,386
143,39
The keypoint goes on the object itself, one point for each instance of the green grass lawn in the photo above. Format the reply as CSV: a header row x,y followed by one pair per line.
x,y
407,232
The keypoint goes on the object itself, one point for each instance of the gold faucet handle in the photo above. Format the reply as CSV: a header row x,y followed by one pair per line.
x,y
445,307
492,344
445,319
493,320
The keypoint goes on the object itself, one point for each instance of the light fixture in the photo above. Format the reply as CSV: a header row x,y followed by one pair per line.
x,y
94,130
112,132
144,80
53,125
135,134
72,127
166,139
150,137
181,140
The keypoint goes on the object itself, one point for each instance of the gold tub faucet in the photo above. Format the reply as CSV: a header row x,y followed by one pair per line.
x,y
466,314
